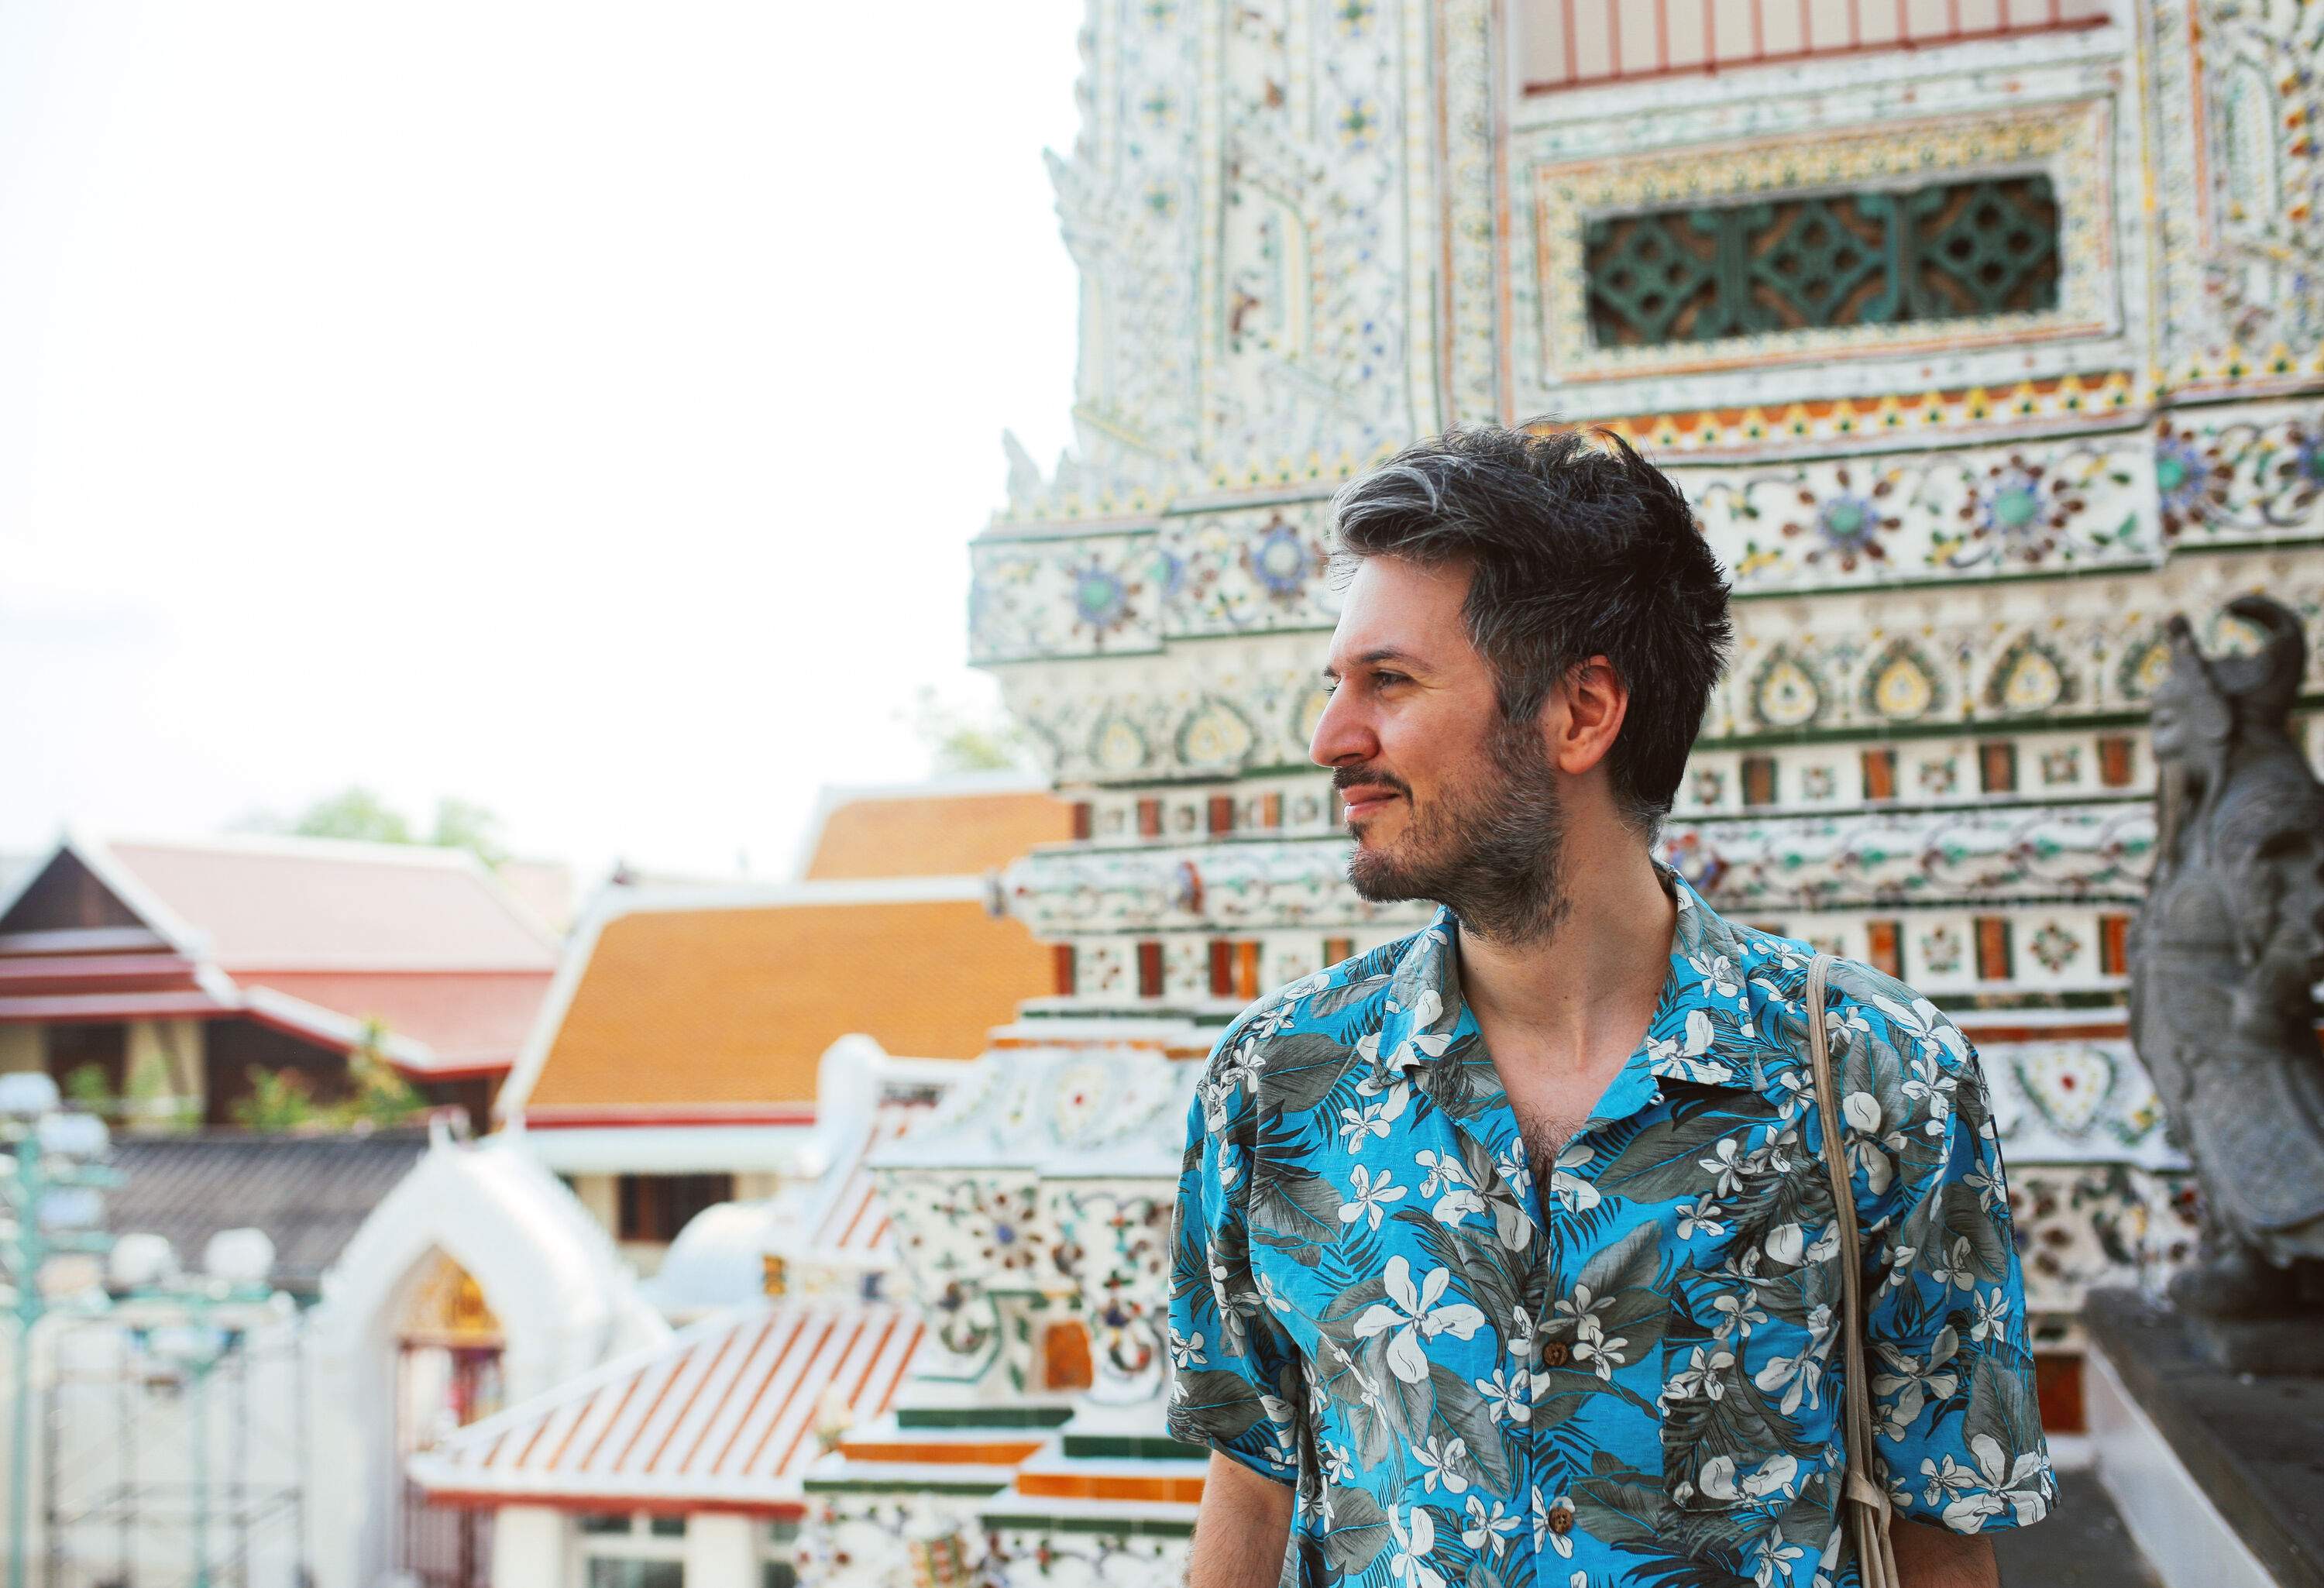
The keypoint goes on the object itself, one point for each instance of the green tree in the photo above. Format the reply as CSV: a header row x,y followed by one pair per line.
x,y
353,812
359,813
85,1084
381,1096
461,824
960,740
279,1100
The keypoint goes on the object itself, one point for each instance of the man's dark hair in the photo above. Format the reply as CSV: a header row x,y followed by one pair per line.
x,y
1581,547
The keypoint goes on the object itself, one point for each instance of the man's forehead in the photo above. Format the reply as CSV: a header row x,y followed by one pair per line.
x,y
1395,606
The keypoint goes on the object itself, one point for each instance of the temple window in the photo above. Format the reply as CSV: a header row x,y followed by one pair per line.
x,y
1950,250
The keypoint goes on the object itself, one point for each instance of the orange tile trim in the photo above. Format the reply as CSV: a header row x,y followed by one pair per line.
x,y
1107,1486
987,1452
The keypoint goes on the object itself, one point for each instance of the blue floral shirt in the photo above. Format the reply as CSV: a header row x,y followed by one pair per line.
x,y
1616,1369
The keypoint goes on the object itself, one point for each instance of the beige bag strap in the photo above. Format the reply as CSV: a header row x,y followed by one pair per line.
x,y
1864,1501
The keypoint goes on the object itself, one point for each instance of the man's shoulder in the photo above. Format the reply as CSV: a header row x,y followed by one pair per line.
x,y
1903,1025
1896,1015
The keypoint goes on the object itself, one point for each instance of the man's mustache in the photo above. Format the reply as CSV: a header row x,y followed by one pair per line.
x,y
1344,777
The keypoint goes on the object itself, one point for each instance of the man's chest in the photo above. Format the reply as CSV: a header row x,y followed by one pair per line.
x,y
1533,1322
1551,1104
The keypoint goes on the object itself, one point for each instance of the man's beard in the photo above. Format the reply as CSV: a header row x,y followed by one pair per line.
x,y
1493,852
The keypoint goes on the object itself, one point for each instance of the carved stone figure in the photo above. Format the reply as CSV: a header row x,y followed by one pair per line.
x,y
2225,954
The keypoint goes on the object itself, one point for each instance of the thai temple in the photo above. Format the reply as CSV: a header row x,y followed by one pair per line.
x,y
822,1235
1984,335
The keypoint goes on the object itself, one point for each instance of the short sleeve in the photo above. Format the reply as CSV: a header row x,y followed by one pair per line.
x,y
1957,1421
1235,1373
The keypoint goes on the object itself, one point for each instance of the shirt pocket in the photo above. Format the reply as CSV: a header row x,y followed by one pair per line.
x,y
1751,1389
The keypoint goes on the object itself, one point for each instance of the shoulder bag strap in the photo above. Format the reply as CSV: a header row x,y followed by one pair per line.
x,y
1864,1501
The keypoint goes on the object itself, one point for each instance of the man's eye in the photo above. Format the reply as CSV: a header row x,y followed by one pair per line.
x,y
1390,678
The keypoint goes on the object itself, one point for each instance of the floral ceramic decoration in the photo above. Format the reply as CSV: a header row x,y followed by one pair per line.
x,y
1900,685
2054,947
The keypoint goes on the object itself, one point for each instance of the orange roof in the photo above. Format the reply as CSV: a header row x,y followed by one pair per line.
x,y
935,833
727,1005
726,1414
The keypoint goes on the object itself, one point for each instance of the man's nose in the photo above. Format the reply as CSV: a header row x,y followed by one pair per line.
x,y
1342,735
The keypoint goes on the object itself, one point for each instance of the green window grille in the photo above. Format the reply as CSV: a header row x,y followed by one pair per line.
x,y
1948,250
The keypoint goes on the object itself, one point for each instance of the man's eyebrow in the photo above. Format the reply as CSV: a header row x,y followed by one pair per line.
x,y
1381,654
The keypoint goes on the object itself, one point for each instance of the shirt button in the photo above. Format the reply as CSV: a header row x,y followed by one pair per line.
x,y
1560,1521
1554,1354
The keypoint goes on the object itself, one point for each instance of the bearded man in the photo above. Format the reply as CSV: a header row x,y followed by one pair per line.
x,y
1507,1255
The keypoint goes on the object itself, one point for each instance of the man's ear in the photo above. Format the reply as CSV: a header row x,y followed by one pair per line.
x,y
1591,706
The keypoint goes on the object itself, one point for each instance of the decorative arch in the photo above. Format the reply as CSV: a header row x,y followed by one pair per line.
x,y
543,1270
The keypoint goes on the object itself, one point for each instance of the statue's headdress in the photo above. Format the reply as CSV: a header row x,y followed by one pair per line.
x,y
2264,684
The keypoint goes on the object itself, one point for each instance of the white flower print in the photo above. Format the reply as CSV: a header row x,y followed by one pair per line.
x,y
1305,987
1373,1119
1270,1298
1724,1163
1992,1320
1440,1461
1925,1024
1185,1350
1408,1564
1411,1315
1570,1188
1926,1084
1217,1096
1443,1170
1991,1196
1602,1354
1957,1268
1701,1215
2022,1487
1701,1375
1772,1476
1235,1306
1775,1557
1945,1478
1510,1165
1487,1528
1912,1382
1372,1197
1339,1465
1521,1333
1720,978
1447,1173
1900,1268
1800,1377
1693,1042
1739,1313
1508,1395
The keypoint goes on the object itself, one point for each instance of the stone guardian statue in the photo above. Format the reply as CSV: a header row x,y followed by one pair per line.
x,y
2224,957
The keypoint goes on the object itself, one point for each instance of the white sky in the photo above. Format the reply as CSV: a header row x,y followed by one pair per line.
x,y
579,408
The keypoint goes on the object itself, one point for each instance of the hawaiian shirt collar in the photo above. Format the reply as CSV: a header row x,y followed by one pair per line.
x,y
1710,959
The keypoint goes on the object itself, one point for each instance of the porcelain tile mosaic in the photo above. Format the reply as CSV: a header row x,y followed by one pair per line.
x,y
1308,232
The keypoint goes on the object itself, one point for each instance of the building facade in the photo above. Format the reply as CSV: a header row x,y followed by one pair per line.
x,y
1984,335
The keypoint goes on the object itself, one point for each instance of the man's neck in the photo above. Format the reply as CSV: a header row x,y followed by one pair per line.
x,y
1572,999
